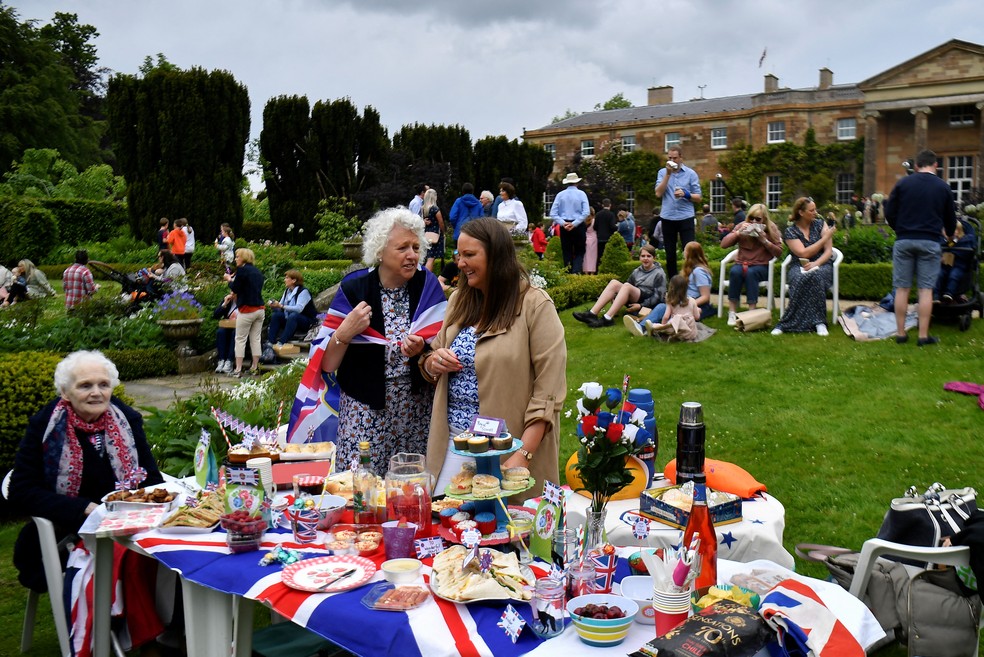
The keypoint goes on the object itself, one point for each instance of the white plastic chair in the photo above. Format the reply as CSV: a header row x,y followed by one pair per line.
x,y
874,548
835,288
55,578
724,281
53,575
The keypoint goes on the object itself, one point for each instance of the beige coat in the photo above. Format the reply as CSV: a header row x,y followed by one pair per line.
x,y
522,377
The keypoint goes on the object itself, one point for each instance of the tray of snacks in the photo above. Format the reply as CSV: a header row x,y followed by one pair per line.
x,y
492,534
489,487
307,451
200,518
364,540
469,444
445,503
506,579
141,498
389,597
239,454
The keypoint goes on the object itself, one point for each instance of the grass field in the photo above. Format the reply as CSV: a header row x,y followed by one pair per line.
x,y
834,428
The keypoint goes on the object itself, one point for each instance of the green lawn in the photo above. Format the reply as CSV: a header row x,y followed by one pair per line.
x,y
834,428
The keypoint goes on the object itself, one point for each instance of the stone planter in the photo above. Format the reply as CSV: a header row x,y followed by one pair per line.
x,y
353,250
182,331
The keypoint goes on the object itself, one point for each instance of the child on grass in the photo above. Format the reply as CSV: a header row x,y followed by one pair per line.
x,y
679,322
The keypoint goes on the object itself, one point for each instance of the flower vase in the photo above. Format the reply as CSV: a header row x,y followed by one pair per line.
x,y
595,539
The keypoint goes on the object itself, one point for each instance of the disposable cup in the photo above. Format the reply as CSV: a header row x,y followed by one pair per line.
x,y
670,608
398,541
304,524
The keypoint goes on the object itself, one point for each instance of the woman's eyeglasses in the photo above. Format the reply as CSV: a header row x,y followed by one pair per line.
x,y
755,219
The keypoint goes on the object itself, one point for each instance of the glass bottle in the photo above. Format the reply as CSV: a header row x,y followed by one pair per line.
x,y
364,495
690,442
700,524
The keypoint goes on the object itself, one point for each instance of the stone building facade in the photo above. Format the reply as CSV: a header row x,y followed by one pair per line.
x,y
934,100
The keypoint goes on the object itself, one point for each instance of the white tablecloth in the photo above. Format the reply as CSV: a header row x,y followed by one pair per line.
x,y
757,536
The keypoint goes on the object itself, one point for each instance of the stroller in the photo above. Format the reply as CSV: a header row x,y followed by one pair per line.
x,y
139,287
961,307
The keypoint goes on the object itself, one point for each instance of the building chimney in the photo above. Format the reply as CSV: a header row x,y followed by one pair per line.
x,y
660,95
771,83
826,78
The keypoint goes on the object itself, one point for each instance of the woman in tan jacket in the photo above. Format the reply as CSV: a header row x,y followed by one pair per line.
x,y
501,353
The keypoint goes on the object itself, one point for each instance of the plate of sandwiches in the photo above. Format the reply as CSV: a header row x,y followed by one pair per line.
x,y
506,579
307,451
200,518
470,486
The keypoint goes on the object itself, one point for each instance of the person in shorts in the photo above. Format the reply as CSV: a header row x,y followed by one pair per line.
x,y
919,209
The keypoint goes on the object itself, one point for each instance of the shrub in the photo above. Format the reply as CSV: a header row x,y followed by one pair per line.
x,y
577,290
254,231
337,220
319,251
81,221
29,230
318,281
143,363
554,251
615,256
26,388
868,244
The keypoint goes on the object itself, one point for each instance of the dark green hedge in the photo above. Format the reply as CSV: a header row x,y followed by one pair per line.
x,y
143,363
253,231
28,230
86,221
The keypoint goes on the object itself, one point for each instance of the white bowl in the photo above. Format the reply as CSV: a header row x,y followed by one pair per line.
x,y
639,588
401,571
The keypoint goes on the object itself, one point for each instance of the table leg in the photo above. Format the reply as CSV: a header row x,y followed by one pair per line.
x,y
208,620
102,596
243,614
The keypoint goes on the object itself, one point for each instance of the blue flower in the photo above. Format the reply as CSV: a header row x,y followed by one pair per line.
x,y
613,397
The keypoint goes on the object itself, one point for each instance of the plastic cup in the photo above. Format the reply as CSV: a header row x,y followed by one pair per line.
x,y
304,524
397,540
670,608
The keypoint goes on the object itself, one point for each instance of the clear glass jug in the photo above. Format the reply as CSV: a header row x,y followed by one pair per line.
x,y
408,491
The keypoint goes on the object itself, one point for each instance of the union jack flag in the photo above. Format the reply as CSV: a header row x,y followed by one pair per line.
x,y
605,569
314,415
804,623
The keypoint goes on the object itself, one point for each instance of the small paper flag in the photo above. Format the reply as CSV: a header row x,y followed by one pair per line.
x,y
511,622
428,547
552,492
640,528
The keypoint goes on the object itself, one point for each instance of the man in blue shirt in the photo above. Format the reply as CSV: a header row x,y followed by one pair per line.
x,y
679,187
466,207
416,204
919,209
569,210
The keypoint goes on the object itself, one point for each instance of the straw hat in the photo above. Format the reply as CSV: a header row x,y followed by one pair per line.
x,y
571,179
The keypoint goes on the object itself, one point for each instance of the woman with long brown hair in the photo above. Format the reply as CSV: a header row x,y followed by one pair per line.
x,y
500,353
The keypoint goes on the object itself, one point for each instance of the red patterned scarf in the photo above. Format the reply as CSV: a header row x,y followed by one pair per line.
x,y
63,453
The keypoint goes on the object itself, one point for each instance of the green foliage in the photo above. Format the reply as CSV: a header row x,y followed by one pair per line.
x,y
82,221
289,155
529,165
865,244
447,147
173,432
577,290
865,281
27,386
636,170
40,101
143,363
807,170
180,138
568,114
66,334
122,253
255,210
320,251
618,101
337,220
29,229
256,232
615,256
554,250
42,173
319,281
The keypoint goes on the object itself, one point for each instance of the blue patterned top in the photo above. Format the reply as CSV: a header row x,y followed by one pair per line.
x,y
463,385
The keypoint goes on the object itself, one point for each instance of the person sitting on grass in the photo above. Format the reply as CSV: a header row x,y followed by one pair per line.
x,y
679,320
698,274
644,288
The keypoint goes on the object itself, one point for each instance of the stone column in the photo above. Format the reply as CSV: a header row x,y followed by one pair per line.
x,y
870,151
922,126
980,144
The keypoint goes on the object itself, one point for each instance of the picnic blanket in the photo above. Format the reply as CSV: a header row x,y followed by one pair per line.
x,y
867,323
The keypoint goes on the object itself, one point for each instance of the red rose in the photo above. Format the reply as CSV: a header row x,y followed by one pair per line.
x,y
614,432
588,425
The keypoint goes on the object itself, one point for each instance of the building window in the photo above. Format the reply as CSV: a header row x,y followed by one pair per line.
x,y
960,175
548,200
847,129
628,143
587,148
776,133
629,199
719,137
719,199
773,191
672,140
552,149
845,187
961,115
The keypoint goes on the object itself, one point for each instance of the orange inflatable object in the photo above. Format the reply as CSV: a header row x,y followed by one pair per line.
x,y
724,476
640,477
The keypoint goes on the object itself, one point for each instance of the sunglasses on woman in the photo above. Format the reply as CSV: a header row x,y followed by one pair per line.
x,y
755,219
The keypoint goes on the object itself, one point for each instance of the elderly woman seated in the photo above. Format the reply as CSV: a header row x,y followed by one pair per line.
x,y
644,288
75,451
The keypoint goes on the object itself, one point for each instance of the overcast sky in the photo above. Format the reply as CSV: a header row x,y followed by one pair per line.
x,y
499,67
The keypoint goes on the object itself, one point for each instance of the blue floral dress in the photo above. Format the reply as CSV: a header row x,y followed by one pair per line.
x,y
807,291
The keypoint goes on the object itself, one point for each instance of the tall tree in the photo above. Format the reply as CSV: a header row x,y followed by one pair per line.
x,y
446,148
527,164
180,137
38,108
289,155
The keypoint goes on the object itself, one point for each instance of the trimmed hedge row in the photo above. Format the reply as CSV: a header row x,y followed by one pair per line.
x,y
86,221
